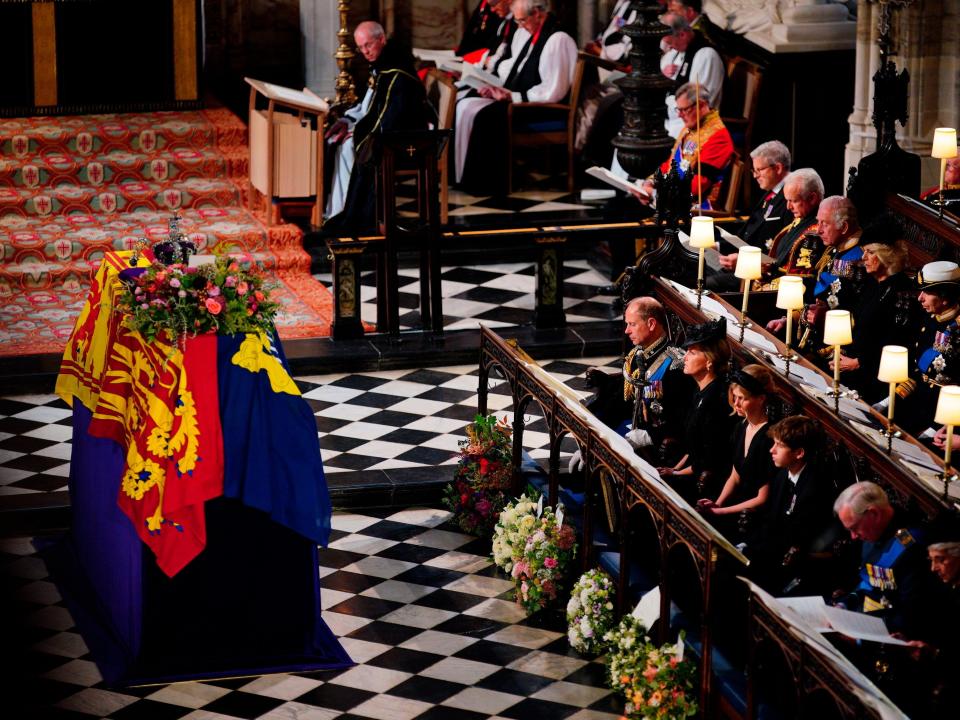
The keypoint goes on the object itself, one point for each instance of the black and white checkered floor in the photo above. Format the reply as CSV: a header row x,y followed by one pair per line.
x,y
367,423
498,295
418,605
463,204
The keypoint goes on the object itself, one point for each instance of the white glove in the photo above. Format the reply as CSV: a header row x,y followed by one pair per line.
x,y
576,463
639,438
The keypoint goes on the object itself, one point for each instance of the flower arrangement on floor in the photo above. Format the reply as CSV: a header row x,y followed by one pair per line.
x,y
516,523
484,473
656,682
226,296
540,569
590,611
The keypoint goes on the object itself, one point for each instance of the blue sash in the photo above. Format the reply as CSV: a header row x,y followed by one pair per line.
x,y
878,575
826,278
652,390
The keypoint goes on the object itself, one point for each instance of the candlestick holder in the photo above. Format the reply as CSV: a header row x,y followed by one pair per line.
x,y
947,477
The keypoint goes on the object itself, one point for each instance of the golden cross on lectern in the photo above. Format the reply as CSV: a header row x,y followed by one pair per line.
x,y
411,150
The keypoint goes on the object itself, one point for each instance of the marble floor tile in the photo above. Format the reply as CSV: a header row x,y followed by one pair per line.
x,y
524,636
398,591
96,701
440,643
282,686
459,670
390,707
371,677
418,616
189,694
571,693
482,700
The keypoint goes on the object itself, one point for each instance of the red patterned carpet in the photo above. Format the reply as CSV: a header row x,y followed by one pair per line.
x,y
73,187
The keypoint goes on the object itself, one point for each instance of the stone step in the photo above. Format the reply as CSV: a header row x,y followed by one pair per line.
x,y
53,168
67,198
65,244
136,132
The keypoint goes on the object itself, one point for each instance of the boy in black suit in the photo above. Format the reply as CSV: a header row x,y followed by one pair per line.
x,y
799,513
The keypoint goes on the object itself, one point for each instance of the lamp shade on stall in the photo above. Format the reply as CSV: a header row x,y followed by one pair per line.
x,y
894,364
944,143
948,406
837,329
701,232
748,264
790,293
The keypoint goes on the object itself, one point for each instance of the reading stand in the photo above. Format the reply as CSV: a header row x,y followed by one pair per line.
x,y
286,148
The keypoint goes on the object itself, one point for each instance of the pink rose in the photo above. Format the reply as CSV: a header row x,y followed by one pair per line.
x,y
213,306
242,287
174,282
550,562
213,290
230,281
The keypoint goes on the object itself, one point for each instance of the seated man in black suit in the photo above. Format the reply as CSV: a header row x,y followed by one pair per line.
x,y
798,514
771,165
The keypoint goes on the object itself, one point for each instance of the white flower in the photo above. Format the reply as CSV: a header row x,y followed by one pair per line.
x,y
586,628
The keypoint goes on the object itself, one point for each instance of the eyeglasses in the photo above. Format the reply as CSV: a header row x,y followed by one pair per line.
x,y
685,110
524,19
757,170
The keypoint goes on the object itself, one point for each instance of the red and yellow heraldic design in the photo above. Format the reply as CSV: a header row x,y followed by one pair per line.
x,y
159,402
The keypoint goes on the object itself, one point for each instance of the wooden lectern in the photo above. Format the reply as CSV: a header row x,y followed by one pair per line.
x,y
286,146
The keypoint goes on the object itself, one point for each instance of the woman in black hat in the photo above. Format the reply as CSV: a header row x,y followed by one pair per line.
x,y
886,311
935,351
748,484
708,423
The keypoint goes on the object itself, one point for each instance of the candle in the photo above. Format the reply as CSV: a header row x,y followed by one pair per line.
x,y
949,450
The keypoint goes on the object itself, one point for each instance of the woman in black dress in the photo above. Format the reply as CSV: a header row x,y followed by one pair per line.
x,y
708,423
886,311
748,484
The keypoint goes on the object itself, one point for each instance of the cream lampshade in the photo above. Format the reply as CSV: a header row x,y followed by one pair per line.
x,y
701,232
894,368
790,293
944,143
837,329
948,413
948,406
894,364
748,263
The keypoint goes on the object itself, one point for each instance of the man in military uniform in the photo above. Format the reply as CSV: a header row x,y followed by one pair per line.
x,y
838,274
894,582
647,403
797,248
936,349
